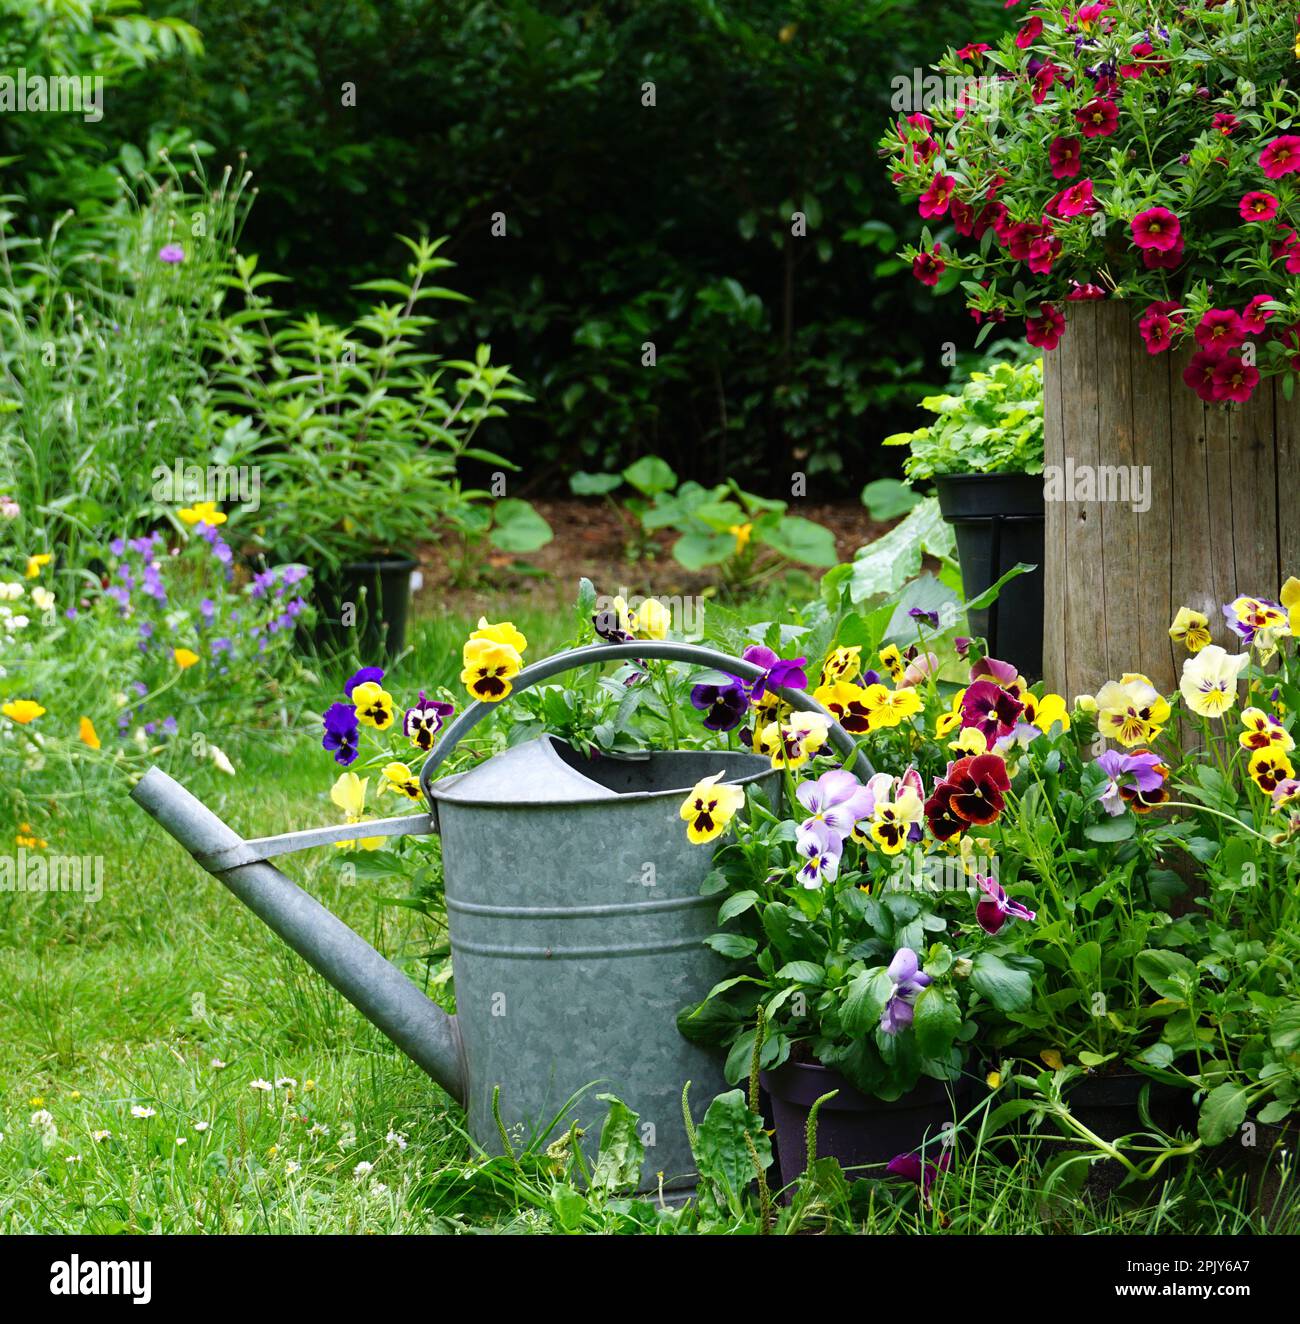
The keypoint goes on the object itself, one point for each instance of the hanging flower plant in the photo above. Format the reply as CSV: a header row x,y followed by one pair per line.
x,y
1132,151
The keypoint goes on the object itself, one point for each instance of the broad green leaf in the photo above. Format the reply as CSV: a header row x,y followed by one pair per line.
x,y
650,475
936,1020
1222,1112
618,1166
721,1153
1007,988
518,527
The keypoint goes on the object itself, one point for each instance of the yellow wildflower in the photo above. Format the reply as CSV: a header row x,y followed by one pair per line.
x,y
185,658
202,512
709,808
22,711
36,563
86,733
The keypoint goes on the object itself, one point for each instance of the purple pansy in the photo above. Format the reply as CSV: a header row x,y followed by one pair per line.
x,y
836,799
424,720
990,710
778,673
1143,771
913,1168
995,908
362,677
908,979
724,706
341,732
820,850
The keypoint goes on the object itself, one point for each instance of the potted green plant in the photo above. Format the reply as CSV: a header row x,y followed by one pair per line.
x,y
984,453
358,433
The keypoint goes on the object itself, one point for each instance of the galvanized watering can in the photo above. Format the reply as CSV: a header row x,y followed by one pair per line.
x,y
576,921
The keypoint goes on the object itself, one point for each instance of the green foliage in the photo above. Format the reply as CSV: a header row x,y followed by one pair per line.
x,y
769,352
357,430
994,425
750,537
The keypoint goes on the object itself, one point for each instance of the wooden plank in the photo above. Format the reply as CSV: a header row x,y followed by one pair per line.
x,y
1119,625
1287,431
1054,575
1152,434
1252,496
1085,650
1189,556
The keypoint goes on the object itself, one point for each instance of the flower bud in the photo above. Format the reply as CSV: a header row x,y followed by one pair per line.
x,y
962,967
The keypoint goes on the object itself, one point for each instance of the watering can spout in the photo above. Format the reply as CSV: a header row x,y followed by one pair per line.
x,y
385,996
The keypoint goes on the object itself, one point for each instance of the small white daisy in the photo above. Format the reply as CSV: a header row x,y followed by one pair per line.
x,y
259,1084
99,1136
285,1083
73,1158
319,1129
397,1139
218,1063
291,1167
139,1110
200,1126
182,1140
362,1168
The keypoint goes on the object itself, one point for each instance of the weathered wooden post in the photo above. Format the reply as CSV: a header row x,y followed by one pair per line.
x,y
1223,487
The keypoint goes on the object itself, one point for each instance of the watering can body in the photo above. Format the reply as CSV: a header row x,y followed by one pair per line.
x,y
576,921
578,933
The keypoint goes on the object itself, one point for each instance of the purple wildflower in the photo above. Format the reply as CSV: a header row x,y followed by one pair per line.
x,y
172,254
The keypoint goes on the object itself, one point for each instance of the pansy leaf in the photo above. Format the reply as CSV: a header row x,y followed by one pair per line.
x,y
1008,989
1222,1112
936,1020
864,1001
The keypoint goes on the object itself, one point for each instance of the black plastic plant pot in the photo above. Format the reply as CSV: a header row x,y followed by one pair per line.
x,y
853,1127
1110,1105
998,523
364,606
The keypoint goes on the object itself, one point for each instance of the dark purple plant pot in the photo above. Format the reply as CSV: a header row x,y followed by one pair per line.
x,y
856,1129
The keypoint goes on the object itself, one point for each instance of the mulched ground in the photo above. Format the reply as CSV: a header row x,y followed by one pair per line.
x,y
593,539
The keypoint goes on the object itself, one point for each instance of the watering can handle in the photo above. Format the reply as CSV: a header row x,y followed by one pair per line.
x,y
854,758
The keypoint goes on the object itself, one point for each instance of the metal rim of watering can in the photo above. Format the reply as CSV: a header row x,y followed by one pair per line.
x,y
854,758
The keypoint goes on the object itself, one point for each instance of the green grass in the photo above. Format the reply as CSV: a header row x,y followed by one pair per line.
x,y
128,1001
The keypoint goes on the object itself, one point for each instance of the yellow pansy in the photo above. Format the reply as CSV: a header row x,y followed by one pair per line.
x,y
651,620
847,702
1269,767
1191,629
503,632
36,563
1262,730
374,705
22,711
1291,601
1131,710
892,660
488,669
950,720
709,808
399,779
184,658
970,741
349,793
741,533
202,512
86,733
1045,712
791,743
890,823
1209,680
890,707
842,664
